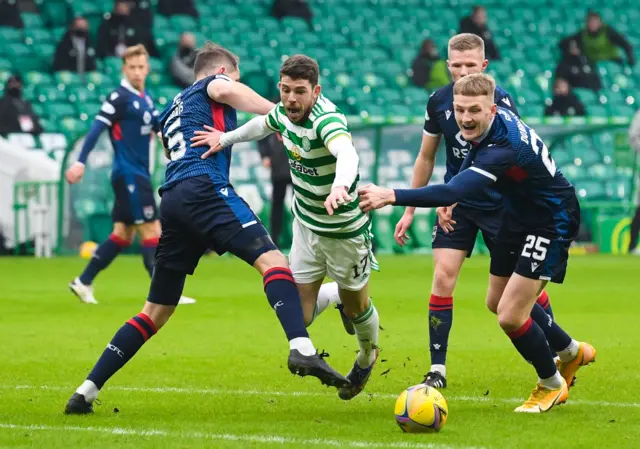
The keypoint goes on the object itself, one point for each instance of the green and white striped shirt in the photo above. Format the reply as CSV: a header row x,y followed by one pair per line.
x,y
313,169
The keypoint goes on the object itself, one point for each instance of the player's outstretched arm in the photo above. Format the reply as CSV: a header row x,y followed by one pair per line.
x,y
75,173
464,183
422,171
254,129
239,96
347,161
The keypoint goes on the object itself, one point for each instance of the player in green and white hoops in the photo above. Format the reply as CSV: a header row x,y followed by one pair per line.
x,y
331,236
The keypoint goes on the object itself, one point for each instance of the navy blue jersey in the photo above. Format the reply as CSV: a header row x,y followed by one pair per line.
x,y
537,194
190,110
440,120
131,118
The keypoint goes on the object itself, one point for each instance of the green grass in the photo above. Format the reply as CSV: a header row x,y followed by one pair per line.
x,y
226,358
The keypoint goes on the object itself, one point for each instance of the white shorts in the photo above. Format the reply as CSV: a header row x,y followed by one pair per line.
x,y
346,261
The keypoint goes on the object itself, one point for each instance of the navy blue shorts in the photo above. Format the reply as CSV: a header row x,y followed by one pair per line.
x,y
195,215
541,253
468,222
134,200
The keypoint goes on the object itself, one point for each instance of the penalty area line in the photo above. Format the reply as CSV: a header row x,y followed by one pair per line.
x,y
264,439
221,392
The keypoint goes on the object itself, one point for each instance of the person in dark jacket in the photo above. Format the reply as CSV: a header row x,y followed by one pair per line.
x,y
177,7
10,14
599,42
16,113
182,62
75,52
119,30
429,69
291,8
565,102
274,156
476,24
576,68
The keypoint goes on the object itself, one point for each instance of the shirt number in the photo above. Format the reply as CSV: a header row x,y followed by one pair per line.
x,y
175,140
540,148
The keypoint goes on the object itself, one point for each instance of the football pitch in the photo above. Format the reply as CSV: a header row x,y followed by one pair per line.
x,y
216,375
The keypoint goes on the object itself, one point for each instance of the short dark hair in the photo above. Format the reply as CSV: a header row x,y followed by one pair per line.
x,y
301,67
214,55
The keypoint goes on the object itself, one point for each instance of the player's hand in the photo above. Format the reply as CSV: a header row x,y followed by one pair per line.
x,y
75,173
210,138
266,162
400,234
445,219
336,198
279,137
373,197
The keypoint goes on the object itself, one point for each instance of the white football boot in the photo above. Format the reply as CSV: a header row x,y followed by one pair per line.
x,y
186,300
83,292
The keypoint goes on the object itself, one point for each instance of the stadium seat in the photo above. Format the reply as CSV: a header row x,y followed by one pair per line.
x,y
54,13
67,79
38,78
183,23
50,94
60,110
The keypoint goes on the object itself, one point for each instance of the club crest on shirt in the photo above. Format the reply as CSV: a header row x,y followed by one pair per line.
x,y
306,143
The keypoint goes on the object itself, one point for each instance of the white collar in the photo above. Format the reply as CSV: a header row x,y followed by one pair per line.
x,y
127,85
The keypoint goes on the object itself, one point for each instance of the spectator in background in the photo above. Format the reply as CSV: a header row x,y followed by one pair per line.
x,y
16,114
119,30
565,102
10,14
183,60
274,156
74,51
141,12
429,70
599,42
576,68
634,142
291,8
177,8
476,24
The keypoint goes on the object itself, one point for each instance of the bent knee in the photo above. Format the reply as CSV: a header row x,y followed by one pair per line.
x,y
271,259
159,314
444,279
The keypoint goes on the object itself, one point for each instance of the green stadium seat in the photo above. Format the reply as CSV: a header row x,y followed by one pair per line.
x,y
32,20
38,78
10,35
38,35
83,94
50,94
164,95
72,128
261,83
619,189
267,24
372,80
184,23
54,13
591,190
86,8
60,110
67,79
98,79
112,64
387,96
87,110
5,65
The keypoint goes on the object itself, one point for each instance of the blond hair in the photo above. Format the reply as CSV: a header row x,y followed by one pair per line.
x,y
475,85
135,50
466,41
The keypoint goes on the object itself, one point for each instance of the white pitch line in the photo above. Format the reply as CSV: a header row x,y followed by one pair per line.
x,y
268,439
217,392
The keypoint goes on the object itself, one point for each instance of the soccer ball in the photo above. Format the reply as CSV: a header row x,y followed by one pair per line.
x,y
87,249
421,409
